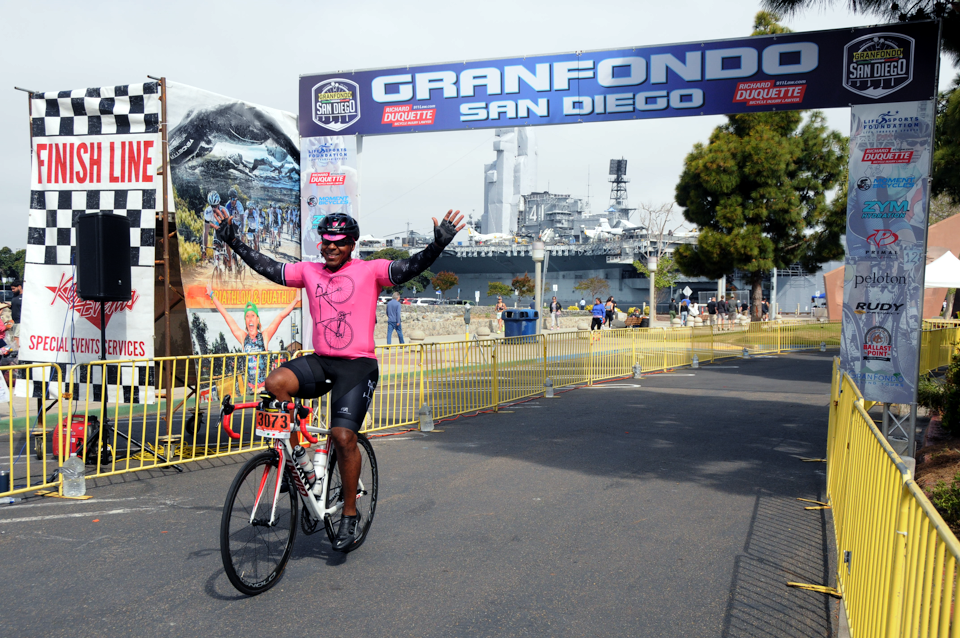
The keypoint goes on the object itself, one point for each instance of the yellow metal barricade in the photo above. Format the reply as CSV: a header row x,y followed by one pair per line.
x,y
400,391
28,431
165,411
896,557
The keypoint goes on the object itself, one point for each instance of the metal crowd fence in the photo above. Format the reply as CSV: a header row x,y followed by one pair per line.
x,y
180,423
896,557
938,344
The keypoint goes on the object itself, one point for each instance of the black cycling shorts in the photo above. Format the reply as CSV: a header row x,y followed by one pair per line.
x,y
351,383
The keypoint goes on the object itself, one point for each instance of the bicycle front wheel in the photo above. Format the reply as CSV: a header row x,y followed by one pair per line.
x,y
367,488
254,548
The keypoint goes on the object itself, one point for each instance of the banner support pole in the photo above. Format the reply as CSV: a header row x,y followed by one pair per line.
x,y
167,380
30,129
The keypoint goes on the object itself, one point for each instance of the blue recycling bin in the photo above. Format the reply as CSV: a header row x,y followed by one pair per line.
x,y
520,325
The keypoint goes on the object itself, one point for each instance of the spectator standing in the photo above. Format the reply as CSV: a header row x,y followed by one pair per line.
x,y
599,311
393,317
721,312
9,342
684,311
500,307
555,310
764,310
732,312
712,310
674,309
583,303
17,304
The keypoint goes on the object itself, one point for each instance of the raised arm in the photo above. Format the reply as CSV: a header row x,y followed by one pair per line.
x,y
238,334
403,270
275,324
261,264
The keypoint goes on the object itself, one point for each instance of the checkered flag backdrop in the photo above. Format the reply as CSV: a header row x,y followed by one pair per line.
x,y
94,150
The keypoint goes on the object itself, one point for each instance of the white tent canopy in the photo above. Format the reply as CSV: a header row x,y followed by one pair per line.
x,y
943,272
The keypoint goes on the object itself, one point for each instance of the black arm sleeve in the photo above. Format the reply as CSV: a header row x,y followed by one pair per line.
x,y
403,270
261,264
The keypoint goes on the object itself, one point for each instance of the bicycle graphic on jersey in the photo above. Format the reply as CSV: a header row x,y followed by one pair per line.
x,y
336,331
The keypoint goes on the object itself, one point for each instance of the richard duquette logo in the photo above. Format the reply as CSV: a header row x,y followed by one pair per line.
x,y
336,103
878,64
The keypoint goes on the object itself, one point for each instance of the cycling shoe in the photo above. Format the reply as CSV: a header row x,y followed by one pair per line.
x,y
348,533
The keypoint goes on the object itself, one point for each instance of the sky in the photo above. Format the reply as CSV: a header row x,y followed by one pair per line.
x,y
256,51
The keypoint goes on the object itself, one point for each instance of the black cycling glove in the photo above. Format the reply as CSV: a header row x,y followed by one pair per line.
x,y
403,270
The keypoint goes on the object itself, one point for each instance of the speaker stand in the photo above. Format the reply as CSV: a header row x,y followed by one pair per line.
x,y
105,419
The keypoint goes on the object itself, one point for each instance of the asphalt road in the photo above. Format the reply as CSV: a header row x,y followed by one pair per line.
x,y
660,507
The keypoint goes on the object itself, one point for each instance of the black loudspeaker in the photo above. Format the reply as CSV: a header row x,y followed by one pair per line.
x,y
103,257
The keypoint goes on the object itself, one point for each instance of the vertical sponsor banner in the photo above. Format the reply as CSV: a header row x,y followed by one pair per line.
x,y
94,150
890,159
242,159
329,182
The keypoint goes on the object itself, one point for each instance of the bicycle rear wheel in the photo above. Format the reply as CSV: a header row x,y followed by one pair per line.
x,y
253,550
367,489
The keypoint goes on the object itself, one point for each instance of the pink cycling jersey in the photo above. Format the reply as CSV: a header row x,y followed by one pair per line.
x,y
342,304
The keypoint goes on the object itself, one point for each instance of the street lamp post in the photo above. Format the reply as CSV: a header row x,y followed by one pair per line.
x,y
652,269
537,253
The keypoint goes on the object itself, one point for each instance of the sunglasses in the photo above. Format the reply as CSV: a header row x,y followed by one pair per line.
x,y
339,242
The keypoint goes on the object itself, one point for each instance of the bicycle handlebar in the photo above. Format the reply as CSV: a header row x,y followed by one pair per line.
x,y
302,415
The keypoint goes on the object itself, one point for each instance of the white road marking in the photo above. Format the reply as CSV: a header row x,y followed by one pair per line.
x,y
67,501
125,510
615,385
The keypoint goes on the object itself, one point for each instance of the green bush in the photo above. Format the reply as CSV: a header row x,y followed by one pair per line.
x,y
951,397
930,394
943,398
946,498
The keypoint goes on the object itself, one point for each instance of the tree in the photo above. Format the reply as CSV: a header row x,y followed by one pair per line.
x,y
757,192
666,277
596,286
946,150
416,285
444,281
523,285
659,223
12,262
888,11
942,207
498,289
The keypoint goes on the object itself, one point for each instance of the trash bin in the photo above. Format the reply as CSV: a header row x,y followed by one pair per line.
x,y
520,325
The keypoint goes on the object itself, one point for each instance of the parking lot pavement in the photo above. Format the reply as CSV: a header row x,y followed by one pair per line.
x,y
659,507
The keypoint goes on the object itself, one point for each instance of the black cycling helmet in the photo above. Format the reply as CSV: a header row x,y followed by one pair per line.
x,y
337,226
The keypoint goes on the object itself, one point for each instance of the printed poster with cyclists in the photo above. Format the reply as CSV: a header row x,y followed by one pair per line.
x,y
242,158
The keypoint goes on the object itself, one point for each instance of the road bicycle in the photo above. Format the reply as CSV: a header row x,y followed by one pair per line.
x,y
259,523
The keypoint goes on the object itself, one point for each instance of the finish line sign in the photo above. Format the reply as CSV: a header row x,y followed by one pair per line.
x,y
823,69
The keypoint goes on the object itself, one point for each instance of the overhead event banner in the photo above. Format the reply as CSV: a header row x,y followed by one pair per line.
x,y
812,70
94,150
891,146
243,159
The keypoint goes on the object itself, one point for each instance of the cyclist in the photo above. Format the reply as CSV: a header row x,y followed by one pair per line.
x,y
253,225
213,204
346,367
